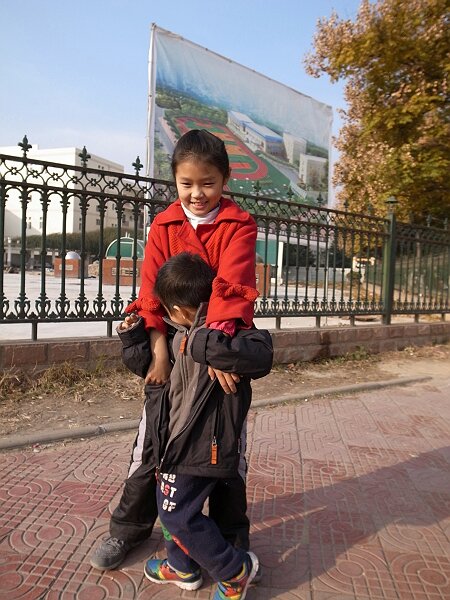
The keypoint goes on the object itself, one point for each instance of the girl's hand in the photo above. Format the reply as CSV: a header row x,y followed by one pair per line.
x,y
227,380
160,367
128,322
158,372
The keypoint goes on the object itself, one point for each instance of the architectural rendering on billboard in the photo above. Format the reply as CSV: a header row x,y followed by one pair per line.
x,y
274,135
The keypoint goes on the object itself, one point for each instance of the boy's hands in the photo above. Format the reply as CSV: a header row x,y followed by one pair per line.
x,y
227,380
128,322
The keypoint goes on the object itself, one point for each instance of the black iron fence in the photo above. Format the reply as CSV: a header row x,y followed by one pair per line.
x,y
57,222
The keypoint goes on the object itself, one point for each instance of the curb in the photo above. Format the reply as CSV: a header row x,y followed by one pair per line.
x,y
50,435
343,389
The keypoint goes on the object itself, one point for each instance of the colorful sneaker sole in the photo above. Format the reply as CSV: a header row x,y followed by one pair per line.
x,y
257,578
222,594
184,585
253,572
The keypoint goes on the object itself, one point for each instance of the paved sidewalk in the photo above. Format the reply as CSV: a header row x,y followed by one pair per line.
x,y
349,500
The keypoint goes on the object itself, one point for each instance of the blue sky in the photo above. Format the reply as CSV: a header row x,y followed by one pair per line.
x,y
74,73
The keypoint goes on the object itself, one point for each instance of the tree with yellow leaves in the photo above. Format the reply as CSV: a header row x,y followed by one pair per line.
x,y
395,140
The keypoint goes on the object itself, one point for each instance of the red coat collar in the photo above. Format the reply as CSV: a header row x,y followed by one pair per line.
x,y
229,211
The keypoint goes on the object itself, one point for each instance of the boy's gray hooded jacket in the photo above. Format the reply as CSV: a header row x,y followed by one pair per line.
x,y
196,427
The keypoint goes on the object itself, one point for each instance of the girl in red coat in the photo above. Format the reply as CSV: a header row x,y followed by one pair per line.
x,y
200,221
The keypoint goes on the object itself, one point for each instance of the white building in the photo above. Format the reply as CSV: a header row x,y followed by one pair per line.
x,y
255,135
38,175
294,147
313,171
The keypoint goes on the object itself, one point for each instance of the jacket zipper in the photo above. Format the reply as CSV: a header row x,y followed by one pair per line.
x,y
214,450
182,369
214,444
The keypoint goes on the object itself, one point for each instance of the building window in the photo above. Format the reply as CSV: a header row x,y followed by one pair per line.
x,y
29,223
97,222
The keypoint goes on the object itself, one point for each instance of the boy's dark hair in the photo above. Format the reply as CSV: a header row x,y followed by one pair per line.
x,y
184,280
199,144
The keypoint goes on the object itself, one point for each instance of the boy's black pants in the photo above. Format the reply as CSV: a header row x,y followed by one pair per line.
x,y
137,511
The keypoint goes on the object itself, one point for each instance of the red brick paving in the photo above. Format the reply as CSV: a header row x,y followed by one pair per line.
x,y
349,500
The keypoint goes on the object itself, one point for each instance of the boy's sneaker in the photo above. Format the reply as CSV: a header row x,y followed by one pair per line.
x,y
110,553
236,588
159,571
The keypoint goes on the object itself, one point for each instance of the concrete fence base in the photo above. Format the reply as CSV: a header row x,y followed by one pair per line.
x,y
310,344
290,346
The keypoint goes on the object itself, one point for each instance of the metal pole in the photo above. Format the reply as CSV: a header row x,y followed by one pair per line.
x,y
390,249
149,171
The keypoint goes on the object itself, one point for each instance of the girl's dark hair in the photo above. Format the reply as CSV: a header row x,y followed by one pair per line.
x,y
184,280
199,144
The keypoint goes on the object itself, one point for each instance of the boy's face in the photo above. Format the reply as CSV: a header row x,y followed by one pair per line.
x,y
199,186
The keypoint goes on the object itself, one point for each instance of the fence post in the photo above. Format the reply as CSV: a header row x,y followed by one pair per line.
x,y
389,253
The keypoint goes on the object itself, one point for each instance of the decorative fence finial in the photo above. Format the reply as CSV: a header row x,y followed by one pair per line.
x,y
25,146
257,188
289,192
137,165
84,157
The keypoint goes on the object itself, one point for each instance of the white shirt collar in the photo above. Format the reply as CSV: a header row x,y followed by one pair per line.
x,y
195,220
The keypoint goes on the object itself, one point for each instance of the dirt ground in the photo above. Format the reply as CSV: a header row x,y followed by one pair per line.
x,y
68,397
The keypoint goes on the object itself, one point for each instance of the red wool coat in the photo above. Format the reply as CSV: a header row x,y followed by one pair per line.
x,y
227,245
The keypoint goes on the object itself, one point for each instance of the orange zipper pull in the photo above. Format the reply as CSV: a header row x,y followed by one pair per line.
x,y
214,451
183,344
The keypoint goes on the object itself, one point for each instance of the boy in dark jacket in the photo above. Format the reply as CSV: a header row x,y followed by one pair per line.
x,y
197,428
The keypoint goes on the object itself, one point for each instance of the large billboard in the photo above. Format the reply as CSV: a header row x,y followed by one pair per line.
x,y
278,139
